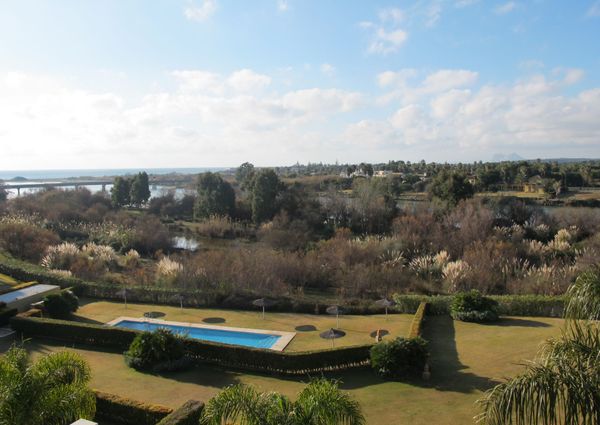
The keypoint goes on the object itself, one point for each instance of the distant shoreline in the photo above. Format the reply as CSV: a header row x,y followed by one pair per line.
x,y
100,172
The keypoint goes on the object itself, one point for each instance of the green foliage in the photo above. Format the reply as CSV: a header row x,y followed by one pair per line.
x,y
120,193
187,414
215,196
60,306
122,411
562,386
292,363
157,351
473,307
139,191
451,188
266,187
244,175
400,358
6,314
320,402
52,391
416,327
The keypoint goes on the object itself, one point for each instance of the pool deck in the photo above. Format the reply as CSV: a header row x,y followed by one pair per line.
x,y
284,337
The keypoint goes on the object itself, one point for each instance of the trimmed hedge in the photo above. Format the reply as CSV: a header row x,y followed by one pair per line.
x,y
508,305
294,363
6,314
416,327
188,414
123,411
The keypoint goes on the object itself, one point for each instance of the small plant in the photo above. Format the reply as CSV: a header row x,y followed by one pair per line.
x,y
157,351
60,306
473,307
400,358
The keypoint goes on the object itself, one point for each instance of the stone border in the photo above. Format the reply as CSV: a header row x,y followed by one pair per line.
x,y
284,337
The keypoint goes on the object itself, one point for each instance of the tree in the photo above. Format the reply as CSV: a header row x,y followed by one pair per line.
x,y
563,385
120,192
215,196
451,187
320,402
3,194
244,175
52,391
139,191
266,186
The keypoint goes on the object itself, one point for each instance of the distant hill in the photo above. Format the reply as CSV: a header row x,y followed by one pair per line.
x,y
498,157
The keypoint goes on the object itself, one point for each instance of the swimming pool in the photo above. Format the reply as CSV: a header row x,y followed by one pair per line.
x,y
255,338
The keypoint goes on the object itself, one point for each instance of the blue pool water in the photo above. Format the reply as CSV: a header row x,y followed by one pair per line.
x,y
247,339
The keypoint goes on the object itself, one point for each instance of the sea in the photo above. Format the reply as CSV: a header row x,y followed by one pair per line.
x,y
100,172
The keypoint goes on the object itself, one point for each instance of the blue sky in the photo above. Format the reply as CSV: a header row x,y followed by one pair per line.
x,y
164,83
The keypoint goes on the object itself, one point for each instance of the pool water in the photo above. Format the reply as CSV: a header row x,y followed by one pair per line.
x,y
247,339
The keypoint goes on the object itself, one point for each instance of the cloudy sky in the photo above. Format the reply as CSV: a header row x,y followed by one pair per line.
x,y
192,83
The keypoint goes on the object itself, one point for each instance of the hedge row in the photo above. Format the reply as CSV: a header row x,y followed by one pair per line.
x,y
508,305
123,411
188,414
246,358
416,327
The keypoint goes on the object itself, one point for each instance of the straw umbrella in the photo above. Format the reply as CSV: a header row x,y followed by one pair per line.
x,y
263,302
178,297
335,310
384,302
332,334
123,293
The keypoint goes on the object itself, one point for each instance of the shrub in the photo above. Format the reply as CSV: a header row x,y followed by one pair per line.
x,y
123,411
157,351
473,307
399,358
60,306
187,414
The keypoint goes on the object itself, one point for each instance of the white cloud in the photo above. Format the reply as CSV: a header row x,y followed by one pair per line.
x,y
201,11
386,35
395,78
283,5
328,69
385,41
248,80
504,8
392,14
447,79
464,3
594,10
573,75
433,13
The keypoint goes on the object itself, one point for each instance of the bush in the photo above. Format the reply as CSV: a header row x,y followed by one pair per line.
x,y
246,358
6,314
122,411
157,351
188,414
473,307
60,306
400,358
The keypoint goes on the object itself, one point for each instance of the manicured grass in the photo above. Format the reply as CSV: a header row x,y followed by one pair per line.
x,y
466,359
357,328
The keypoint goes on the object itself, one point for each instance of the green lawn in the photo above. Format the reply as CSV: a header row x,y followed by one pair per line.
x,y
357,328
466,359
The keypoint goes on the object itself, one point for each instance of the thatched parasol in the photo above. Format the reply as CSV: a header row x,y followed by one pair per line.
x,y
263,302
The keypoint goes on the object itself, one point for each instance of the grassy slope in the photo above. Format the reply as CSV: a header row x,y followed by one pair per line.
x,y
357,328
466,359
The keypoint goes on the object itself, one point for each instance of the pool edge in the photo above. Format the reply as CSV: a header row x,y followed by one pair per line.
x,y
284,337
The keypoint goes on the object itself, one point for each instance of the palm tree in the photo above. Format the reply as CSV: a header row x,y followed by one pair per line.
x,y
51,391
320,403
562,386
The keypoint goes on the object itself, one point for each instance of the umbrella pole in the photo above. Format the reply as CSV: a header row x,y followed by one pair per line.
x,y
263,315
181,303
386,316
125,297
337,320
